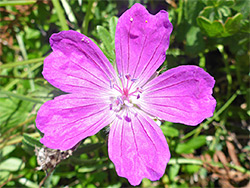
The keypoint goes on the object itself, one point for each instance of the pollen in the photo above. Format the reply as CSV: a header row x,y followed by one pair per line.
x,y
131,19
146,21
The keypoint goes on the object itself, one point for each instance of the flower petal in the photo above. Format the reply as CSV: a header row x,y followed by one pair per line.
x,y
77,64
141,42
68,119
180,95
138,148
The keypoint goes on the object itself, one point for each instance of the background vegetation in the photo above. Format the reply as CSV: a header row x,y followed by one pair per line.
x,y
213,34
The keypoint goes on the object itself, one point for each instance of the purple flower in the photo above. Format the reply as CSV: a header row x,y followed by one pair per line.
x,y
128,100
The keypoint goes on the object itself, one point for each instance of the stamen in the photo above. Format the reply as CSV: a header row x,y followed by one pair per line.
x,y
133,79
127,118
120,100
128,76
117,88
138,96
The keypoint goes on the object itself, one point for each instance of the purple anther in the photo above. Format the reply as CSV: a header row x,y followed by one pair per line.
x,y
128,76
127,118
133,79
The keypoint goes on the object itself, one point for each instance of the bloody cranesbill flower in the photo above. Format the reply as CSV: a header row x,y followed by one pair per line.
x,y
127,99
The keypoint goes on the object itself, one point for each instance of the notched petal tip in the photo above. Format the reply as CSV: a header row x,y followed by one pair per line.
x,y
141,42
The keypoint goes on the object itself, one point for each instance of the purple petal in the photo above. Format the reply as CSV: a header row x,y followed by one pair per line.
x,y
138,148
181,95
77,64
141,42
68,119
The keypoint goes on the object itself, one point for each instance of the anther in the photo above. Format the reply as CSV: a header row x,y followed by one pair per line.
x,y
133,79
128,76
131,19
127,118
146,21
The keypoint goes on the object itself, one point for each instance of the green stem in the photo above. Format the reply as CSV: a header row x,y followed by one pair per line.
x,y
20,63
25,57
180,12
174,161
19,96
24,74
18,139
13,3
227,68
60,14
216,114
85,24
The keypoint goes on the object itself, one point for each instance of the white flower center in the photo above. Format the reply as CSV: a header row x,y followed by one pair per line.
x,y
126,96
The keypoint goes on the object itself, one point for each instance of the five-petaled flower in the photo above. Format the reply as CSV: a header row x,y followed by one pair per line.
x,y
127,99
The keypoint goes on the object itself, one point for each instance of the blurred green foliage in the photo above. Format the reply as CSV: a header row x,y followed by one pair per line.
x,y
213,34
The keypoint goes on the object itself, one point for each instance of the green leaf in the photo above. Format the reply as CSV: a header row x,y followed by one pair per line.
x,y
245,26
30,143
27,183
108,42
173,171
12,164
191,145
13,112
88,148
227,3
4,175
85,162
213,29
183,148
191,169
232,25
32,33
85,169
169,131
225,11
31,140
195,42
6,150
112,26
210,13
